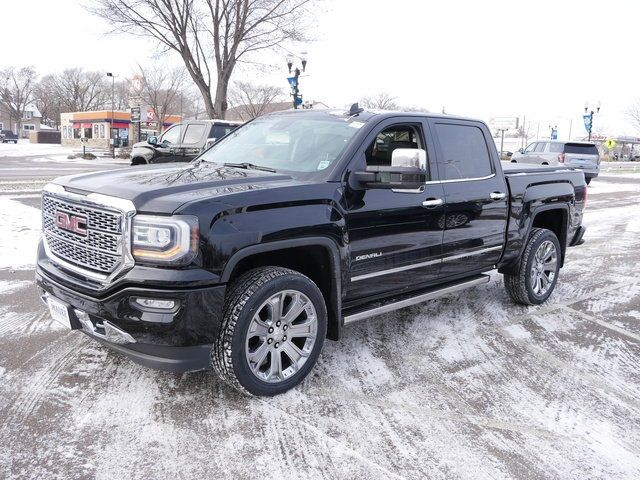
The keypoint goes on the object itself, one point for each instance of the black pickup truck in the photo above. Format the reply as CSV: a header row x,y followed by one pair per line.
x,y
181,142
291,228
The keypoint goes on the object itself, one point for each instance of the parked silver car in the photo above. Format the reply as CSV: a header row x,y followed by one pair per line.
x,y
581,155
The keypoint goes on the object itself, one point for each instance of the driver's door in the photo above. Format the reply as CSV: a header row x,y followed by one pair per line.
x,y
395,236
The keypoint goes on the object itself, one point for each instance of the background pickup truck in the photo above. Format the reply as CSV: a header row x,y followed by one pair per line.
x,y
289,229
181,142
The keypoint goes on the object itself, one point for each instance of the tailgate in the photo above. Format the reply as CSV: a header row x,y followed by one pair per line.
x,y
581,155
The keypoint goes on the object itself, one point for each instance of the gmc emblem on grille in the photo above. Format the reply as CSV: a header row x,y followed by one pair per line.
x,y
72,223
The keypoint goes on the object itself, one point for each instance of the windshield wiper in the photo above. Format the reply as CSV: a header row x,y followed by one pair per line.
x,y
250,166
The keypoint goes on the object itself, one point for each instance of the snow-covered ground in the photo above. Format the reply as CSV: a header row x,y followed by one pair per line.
x,y
25,149
469,386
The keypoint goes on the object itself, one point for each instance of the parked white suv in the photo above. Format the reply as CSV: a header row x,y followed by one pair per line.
x,y
581,155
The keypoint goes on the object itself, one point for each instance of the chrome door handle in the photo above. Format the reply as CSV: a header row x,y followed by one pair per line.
x,y
497,195
432,202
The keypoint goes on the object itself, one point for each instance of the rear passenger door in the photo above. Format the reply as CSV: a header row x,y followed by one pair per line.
x,y
475,194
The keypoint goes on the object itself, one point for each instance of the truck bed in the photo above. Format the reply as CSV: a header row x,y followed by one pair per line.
x,y
519,168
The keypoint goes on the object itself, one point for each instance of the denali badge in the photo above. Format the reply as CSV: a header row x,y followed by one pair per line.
x,y
72,223
368,256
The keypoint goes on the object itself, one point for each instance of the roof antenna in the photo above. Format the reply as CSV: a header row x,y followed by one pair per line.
x,y
355,110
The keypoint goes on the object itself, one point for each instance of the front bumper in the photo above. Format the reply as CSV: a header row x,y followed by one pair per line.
x,y
176,340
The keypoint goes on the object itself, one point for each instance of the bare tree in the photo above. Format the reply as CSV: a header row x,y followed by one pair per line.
x,y
633,112
211,36
250,101
16,92
381,101
162,91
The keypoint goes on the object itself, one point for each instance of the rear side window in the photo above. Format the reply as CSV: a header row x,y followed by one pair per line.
x,y
583,148
219,131
193,133
464,152
556,147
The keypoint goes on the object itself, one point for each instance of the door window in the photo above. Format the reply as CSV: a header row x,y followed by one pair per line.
x,y
193,133
172,135
398,136
464,152
541,146
530,148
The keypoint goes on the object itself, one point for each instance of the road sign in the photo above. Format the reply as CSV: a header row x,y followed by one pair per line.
x,y
135,114
503,123
610,143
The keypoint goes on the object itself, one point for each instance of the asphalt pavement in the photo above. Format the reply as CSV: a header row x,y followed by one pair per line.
x,y
469,386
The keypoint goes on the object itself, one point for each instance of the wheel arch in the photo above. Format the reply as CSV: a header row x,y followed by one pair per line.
x,y
316,257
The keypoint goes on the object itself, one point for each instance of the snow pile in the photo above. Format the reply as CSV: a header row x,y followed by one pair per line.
x,y
19,234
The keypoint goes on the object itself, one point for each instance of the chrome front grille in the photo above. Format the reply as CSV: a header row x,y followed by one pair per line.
x,y
99,248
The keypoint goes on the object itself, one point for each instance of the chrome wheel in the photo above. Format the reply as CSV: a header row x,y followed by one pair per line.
x,y
281,336
543,268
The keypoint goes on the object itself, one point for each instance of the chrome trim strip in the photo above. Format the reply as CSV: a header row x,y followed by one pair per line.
x,y
435,182
97,200
414,300
469,254
423,264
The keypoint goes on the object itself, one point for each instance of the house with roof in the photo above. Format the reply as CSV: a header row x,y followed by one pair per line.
x,y
30,122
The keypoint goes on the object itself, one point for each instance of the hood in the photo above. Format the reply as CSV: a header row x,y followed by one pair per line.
x,y
164,188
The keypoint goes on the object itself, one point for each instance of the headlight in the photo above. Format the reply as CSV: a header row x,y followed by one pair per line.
x,y
164,240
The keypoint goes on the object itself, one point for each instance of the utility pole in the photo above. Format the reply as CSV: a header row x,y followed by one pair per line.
x,y
112,140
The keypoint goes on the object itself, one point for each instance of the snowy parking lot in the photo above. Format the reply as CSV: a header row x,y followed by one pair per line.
x,y
469,386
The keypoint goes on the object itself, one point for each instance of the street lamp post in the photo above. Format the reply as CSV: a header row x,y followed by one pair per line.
x,y
294,81
112,140
588,117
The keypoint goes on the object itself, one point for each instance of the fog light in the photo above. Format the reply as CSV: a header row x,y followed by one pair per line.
x,y
155,303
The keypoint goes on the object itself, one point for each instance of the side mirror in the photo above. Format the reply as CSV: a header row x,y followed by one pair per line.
x,y
210,141
521,150
153,140
408,170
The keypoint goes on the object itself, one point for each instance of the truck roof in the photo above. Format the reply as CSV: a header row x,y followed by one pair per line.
x,y
368,114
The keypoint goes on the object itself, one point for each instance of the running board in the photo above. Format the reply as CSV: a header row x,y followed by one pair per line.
x,y
396,304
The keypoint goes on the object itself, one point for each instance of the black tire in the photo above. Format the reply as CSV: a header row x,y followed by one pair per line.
x,y
588,180
138,161
519,282
243,299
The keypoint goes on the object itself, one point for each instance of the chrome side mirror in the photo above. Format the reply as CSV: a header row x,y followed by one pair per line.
x,y
411,158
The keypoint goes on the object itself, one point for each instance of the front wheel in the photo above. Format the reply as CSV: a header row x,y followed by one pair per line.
x,y
588,180
273,328
535,278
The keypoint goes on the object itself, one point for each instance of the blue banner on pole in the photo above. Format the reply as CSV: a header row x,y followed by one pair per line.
x,y
292,81
298,100
587,122
554,134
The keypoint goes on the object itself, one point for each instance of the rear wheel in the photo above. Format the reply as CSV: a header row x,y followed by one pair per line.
x,y
138,161
535,278
274,325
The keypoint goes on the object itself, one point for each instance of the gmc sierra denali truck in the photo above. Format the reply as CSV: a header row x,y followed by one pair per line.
x,y
291,228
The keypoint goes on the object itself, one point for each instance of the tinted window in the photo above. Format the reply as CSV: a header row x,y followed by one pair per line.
x,y
193,133
464,152
219,131
556,147
583,148
540,147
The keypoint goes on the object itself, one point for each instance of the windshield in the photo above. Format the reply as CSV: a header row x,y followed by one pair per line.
x,y
296,144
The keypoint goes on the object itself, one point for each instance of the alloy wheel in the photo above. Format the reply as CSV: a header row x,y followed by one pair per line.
x,y
543,268
281,336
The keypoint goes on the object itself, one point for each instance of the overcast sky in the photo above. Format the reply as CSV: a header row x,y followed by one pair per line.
x,y
539,58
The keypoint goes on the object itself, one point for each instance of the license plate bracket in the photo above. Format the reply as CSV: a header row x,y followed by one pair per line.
x,y
60,312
